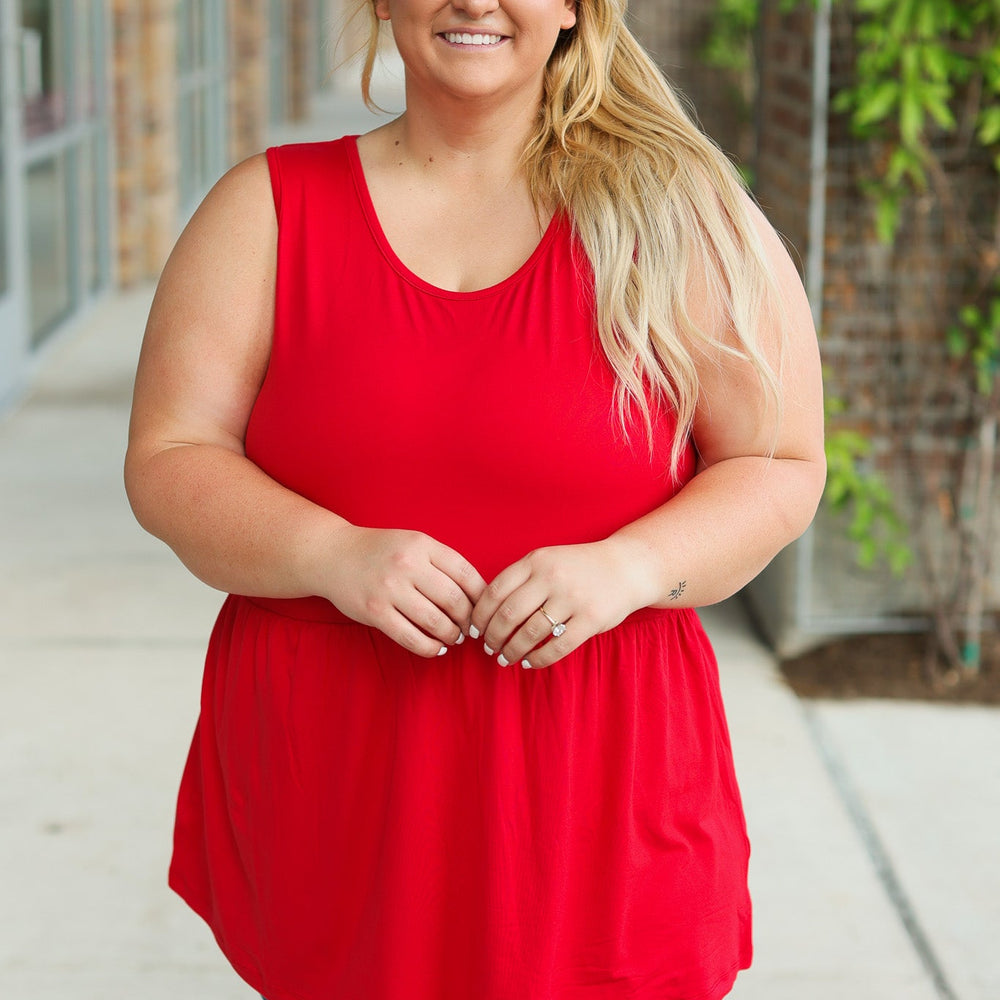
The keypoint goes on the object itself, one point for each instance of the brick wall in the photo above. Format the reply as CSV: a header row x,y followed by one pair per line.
x,y
675,33
145,109
126,25
785,116
145,132
161,158
884,310
248,77
301,61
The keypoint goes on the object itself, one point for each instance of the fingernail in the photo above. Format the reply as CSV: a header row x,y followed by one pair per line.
x,y
489,652
442,650
460,639
473,631
525,664
503,661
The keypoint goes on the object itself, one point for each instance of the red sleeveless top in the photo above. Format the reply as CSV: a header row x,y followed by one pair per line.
x,y
357,823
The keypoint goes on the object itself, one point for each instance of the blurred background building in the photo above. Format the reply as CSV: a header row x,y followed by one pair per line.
x,y
116,116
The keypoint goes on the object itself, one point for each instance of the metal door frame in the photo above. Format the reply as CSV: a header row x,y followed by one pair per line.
x,y
13,311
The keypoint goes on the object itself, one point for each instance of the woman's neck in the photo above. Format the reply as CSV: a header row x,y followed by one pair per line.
x,y
463,138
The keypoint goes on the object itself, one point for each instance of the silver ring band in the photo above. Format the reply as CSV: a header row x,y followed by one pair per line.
x,y
558,628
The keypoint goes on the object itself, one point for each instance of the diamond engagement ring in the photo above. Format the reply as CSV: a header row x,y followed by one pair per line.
x,y
557,627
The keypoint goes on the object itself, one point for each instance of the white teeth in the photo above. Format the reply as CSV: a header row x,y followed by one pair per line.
x,y
463,38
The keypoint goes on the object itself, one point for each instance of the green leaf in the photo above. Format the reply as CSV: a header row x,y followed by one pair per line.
x,y
903,164
836,492
935,62
900,557
989,125
935,101
911,118
887,218
970,316
926,20
867,552
877,105
995,313
958,343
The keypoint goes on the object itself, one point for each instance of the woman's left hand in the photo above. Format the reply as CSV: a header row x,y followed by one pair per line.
x,y
587,588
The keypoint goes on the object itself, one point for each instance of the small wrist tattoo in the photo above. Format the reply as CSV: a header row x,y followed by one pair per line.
x,y
678,590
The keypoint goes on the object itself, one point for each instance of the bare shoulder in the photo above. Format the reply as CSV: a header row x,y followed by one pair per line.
x,y
776,249
236,218
735,415
208,337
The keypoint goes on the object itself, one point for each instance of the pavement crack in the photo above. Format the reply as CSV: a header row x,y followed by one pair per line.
x,y
877,852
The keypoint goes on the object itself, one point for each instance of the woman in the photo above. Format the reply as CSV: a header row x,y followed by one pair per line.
x,y
429,401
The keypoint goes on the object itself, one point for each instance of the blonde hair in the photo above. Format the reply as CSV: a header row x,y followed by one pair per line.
x,y
650,197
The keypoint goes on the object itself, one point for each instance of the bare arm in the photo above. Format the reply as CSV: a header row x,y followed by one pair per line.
x,y
745,505
719,531
203,360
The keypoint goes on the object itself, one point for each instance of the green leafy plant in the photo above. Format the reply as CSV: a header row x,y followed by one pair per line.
x,y
976,338
854,489
728,44
925,101
914,58
927,86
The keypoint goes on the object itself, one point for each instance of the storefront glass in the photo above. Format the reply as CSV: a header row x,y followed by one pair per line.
x,y
49,241
278,66
44,66
64,159
326,43
89,72
92,173
4,266
201,99
4,221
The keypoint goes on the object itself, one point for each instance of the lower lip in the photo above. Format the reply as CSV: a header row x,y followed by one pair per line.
x,y
469,47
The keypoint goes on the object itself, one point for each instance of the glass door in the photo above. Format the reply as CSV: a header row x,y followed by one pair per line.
x,y
201,100
12,332
65,162
277,44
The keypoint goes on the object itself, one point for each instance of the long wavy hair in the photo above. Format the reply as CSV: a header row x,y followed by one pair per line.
x,y
650,197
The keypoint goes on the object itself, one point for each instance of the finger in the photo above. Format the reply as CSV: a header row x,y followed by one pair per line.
x,y
578,631
498,590
458,569
429,618
401,630
446,595
512,615
536,630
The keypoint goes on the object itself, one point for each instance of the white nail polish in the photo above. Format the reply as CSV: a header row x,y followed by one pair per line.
x,y
460,639
503,661
525,664
473,631
442,650
489,652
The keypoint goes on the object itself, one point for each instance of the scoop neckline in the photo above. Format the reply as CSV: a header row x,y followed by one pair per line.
x,y
378,234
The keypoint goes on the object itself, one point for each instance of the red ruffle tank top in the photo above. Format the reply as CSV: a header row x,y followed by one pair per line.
x,y
357,823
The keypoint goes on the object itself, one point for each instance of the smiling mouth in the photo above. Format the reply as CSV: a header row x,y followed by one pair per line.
x,y
465,38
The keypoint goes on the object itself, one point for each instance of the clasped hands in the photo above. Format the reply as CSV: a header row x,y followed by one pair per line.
x,y
427,597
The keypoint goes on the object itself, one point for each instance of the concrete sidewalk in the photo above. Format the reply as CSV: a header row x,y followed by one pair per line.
x,y
875,871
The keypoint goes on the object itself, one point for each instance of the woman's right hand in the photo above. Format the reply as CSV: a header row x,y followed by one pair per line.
x,y
416,590
204,358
